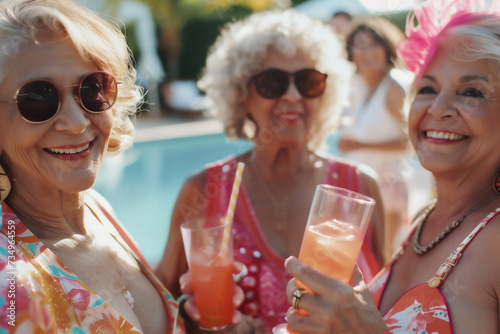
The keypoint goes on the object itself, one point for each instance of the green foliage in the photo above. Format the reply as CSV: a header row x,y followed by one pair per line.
x,y
187,29
198,34
398,18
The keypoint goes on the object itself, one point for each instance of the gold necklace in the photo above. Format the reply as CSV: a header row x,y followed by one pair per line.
x,y
126,293
421,250
279,206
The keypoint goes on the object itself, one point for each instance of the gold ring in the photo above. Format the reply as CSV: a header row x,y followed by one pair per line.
x,y
297,294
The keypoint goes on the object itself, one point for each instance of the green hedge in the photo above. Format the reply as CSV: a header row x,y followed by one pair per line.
x,y
200,33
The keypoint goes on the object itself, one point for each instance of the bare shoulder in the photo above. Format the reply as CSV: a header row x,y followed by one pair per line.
x,y
485,246
473,288
191,200
195,181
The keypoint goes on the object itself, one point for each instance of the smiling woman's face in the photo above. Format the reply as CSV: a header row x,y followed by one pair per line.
x,y
454,117
65,153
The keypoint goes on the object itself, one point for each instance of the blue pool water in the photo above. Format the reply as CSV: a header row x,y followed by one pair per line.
x,y
142,183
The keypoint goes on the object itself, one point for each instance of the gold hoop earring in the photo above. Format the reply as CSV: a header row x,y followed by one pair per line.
x,y
249,127
4,184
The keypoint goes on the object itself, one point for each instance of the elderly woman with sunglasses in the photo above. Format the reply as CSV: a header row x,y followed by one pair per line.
x,y
67,89
445,278
276,79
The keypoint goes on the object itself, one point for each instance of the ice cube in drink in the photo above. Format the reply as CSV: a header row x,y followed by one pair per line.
x,y
331,248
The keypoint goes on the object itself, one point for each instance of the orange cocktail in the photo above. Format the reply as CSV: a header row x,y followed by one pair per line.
x,y
332,248
213,285
208,245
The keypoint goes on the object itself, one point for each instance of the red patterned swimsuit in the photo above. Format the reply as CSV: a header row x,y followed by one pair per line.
x,y
265,283
423,309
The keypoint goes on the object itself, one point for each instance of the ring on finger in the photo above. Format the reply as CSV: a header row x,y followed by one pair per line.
x,y
297,294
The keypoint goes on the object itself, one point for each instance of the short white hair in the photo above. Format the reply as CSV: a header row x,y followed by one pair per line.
x,y
237,55
475,40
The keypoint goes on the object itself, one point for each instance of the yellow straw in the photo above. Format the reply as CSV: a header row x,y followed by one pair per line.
x,y
234,192
230,210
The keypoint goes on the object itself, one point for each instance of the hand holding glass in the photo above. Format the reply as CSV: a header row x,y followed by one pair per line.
x,y
335,230
209,251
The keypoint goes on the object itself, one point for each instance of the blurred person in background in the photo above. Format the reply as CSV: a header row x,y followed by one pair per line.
x,y
276,79
374,125
341,24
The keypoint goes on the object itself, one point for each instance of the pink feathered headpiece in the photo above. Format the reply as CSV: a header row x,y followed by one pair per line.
x,y
434,17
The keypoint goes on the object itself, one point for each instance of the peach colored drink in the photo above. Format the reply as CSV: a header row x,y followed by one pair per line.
x,y
332,248
215,301
334,235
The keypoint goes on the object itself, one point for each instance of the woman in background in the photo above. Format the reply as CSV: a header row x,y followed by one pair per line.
x,y
374,129
276,79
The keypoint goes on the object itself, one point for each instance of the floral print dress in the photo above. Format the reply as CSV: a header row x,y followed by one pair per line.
x,y
39,294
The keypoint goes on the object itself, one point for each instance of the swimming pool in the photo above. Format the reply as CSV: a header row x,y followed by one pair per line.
x,y
143,182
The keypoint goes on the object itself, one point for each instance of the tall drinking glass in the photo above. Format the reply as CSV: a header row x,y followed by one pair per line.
x,y
208,245
335,230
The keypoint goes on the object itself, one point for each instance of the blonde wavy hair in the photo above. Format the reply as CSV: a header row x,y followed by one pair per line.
x,y
96,40
239,51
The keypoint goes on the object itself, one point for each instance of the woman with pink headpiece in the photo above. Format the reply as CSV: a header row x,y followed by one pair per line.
x,y
443,279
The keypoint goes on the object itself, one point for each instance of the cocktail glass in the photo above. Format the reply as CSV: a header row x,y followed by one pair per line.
x,y
208,245
335,230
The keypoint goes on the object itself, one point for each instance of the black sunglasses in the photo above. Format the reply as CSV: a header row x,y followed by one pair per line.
x,y
273,83
38,101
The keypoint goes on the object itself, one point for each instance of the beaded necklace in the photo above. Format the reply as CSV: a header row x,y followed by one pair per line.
x,y
421,250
